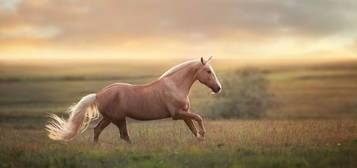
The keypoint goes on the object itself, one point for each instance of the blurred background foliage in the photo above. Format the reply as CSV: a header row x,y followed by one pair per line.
x,y
245,95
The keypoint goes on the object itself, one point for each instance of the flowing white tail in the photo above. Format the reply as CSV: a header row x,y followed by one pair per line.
x,y
80,116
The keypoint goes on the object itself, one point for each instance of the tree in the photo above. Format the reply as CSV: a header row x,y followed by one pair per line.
x,y
245,94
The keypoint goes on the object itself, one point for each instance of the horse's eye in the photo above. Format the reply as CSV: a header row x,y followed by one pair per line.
x,y
209,72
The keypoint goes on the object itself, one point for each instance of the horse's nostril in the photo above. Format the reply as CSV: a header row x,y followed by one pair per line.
x,y
218,89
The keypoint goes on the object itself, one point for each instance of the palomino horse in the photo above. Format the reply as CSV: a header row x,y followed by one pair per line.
x,y
163,98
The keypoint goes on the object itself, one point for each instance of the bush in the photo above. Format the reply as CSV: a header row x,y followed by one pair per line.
x,y
245,94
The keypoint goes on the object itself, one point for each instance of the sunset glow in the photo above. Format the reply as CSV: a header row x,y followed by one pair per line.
x,y
226,29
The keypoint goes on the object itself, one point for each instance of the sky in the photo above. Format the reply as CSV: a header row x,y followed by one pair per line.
x,y
229,29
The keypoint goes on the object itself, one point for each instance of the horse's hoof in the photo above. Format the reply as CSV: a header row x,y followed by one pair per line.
x,y
128,141
200,138
202,133
96,144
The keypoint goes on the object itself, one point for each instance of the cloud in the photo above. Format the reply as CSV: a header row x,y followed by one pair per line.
x,y
116,23
9,4
29,31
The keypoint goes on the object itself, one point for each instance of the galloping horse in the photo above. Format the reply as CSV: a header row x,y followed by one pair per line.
x,y
163,98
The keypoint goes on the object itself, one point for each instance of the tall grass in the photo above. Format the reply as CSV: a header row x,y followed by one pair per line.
x,y
248,143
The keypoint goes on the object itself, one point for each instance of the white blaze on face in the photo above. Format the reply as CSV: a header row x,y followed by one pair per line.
x,y
215,77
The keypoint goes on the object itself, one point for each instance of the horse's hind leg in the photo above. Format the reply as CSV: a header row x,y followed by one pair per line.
x,y
99,128
192,127
121,124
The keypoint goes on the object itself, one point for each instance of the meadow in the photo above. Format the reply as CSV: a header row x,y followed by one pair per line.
x,y
312,122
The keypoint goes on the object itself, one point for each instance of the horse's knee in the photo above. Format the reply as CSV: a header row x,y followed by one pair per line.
x,y
177,116
198,118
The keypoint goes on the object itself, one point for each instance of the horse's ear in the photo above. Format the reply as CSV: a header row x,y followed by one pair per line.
x,y
209,59
202,61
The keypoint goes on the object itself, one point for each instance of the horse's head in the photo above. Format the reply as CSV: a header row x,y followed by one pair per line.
x,y
207,76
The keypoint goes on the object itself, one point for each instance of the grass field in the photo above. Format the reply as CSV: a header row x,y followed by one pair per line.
x,y
312,124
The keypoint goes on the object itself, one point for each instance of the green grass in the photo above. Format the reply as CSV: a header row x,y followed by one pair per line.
x,y
312,124
324,143
240,157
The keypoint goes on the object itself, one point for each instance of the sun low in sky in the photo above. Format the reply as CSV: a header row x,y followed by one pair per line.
x,y
230,29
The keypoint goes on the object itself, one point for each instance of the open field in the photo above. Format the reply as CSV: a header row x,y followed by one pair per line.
x,y
301,91
312,123
308,143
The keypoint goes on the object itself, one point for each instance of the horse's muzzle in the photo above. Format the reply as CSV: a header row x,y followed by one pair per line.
x,y
216,89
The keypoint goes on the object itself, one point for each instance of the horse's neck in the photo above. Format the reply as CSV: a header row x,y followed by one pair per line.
x,y
185,78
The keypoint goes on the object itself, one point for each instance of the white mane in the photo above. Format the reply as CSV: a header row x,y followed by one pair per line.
x,y
178,67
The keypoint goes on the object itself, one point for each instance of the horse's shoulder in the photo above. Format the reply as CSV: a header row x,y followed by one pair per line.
x,y
176,100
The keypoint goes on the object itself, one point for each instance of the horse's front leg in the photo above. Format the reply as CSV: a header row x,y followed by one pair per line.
x,y
191,126
181,114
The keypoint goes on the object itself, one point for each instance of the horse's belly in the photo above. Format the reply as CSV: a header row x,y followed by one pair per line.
x,y
136,103
147,112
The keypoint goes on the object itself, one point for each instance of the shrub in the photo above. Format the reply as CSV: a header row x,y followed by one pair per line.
x,y
245,94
